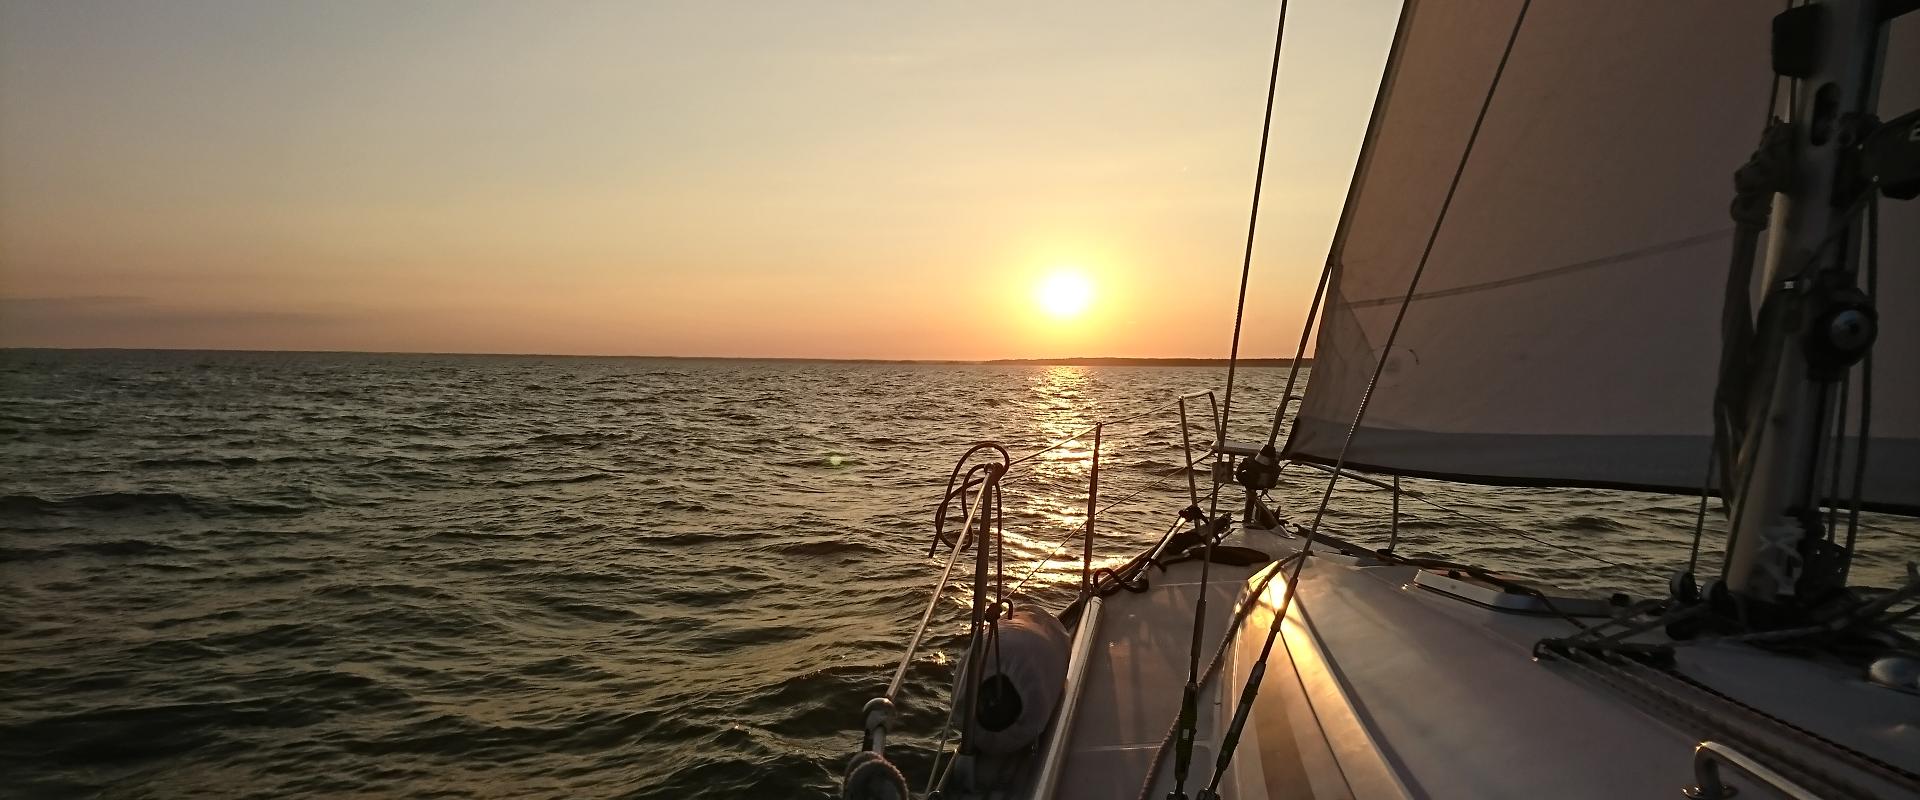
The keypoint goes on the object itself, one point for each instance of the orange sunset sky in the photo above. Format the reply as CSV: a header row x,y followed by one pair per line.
x,y
940,180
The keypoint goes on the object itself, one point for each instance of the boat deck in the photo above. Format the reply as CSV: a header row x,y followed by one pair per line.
x,y
1382,688
1133,689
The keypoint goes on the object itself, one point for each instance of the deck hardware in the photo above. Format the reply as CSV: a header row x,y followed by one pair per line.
x,y
1890,157
1796,41
1093,509
1393,525
1707,760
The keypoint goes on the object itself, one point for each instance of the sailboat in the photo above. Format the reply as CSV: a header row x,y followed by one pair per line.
x,y
1535,281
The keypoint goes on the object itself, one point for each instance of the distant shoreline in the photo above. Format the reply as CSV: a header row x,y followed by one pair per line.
x,y
1145,362
1073,361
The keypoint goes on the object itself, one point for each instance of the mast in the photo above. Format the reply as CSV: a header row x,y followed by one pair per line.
x,y
1813,324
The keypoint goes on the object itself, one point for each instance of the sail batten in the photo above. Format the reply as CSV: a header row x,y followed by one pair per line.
x,y
1566,329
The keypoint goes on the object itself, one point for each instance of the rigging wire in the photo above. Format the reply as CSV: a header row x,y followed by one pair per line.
x,y
1740,495
1872,235
1700,517
1893,531
1253,218
1069,536
1188,720
1082,433
1253,595
1723,449
1232,738
1300,352
1507,529
937,775
1326,277
953,492
1832,499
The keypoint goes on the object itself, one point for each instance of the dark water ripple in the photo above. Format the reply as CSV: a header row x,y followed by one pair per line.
x,y
309,575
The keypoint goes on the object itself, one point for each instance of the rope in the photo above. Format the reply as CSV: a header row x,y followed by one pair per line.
x,y
879,711
938,775
1575,649
913,645
1366,399
1871,612
1213,668
1767,171
1742,496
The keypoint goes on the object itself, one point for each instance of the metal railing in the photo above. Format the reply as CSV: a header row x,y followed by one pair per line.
x,y
1098,430
1059,734
982,484
879,711
1186,438
1393,486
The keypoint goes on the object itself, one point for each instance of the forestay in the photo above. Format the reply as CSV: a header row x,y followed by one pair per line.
x,y
1565,330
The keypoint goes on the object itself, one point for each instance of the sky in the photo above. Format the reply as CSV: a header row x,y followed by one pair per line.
x,y
704,178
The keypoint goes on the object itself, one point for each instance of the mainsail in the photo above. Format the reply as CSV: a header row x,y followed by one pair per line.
x,y
1565,330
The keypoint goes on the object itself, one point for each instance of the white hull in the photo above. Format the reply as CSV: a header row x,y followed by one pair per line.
x,y
1381,687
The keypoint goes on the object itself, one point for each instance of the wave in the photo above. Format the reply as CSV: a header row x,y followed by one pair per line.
x,y
579,438
184,462
494,565
485,458
123,547
141,503
1585,523
1159,468
821,549
691,539
298,575
112,502
377,591
582,478
10,555
672,504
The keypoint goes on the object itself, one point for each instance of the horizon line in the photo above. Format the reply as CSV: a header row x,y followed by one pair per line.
x,y
1064,361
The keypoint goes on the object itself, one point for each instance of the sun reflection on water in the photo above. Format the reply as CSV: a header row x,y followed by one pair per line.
x,y
1046,497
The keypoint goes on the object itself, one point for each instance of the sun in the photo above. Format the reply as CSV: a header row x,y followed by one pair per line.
x,y
1064,294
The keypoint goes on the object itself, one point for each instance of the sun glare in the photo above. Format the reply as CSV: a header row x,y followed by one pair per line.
x,y
1064,294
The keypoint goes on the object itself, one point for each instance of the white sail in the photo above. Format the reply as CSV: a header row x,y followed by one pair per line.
x,y
1565,330
1893,448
